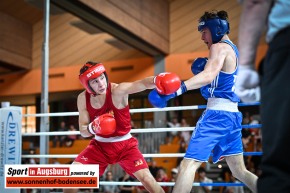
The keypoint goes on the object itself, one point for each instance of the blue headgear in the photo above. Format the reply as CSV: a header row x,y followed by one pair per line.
x,y
217,26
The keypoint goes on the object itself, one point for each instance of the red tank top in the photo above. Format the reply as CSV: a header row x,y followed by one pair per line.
x,y
122,116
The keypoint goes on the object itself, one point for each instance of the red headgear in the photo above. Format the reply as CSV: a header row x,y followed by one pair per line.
x,y
90,71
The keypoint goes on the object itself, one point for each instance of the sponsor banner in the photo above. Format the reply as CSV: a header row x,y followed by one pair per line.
x,y
10,141
52,176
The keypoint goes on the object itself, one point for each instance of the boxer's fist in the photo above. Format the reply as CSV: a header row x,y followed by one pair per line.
x,y
198,65
167,83
247,84
103,125
158,100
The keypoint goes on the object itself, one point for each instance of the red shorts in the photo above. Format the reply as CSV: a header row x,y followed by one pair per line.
x,y
125,153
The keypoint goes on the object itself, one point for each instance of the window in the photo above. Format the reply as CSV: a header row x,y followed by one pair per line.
x,y
29,123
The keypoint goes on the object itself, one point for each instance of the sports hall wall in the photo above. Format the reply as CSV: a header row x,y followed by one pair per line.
x,y
70,47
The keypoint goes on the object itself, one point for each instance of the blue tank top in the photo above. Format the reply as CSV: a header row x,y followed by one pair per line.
x,y
223,86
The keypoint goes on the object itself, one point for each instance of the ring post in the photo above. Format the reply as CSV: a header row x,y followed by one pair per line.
x,y
10,141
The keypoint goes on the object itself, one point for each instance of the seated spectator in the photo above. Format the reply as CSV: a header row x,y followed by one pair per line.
x,y
153,168
182,149
173,124
185,135
174,172
201,178
234,189
71,138
162,177
126,188
55,161
110,188
60,138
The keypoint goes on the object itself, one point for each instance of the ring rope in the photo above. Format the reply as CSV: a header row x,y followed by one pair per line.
x,y
145,155
171,183
145,130
141,110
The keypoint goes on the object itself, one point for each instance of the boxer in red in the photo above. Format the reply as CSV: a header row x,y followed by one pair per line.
x,y
104,114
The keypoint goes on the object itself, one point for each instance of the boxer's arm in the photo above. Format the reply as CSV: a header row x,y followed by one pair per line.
x,y
166,83
84,118
213,66
126,88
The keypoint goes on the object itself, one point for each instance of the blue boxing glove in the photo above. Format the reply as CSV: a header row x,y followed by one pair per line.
x,y
198,65
160,101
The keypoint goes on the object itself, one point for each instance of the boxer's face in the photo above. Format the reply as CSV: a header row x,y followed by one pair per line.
x,y
99,84
206,37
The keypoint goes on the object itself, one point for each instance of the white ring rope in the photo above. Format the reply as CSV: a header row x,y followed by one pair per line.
x,y
146,155
143,110
145,130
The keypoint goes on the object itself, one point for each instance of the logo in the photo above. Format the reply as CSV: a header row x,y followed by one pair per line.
x,y
84,158
96,70
138,162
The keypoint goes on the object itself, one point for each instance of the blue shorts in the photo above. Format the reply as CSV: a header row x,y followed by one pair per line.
x,y
218,133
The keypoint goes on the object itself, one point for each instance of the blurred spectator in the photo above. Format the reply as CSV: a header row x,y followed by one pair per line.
x,y
201,178
234,189
71,138
256,160
55,161
134,127
255,131
162,177
126,188
185,135
110,188
60,138
246,138
32,160
174,172
153,168
246,118
182,149
225,176
173,124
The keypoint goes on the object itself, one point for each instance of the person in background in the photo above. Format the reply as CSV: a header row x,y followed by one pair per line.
x,y
153,168
273,15
72,137
202,178
174,172
110,188
126,188
60,138
161,176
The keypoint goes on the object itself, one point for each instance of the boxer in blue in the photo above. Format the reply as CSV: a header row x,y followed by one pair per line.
x,y
218,130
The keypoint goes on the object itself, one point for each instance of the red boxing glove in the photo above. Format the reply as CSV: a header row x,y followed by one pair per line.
x,y
167,83
104,125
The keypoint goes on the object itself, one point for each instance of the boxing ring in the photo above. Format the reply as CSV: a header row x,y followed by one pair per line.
x,y
135,131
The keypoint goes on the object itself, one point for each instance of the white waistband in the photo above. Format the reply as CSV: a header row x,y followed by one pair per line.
x,y
113,139
221,104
